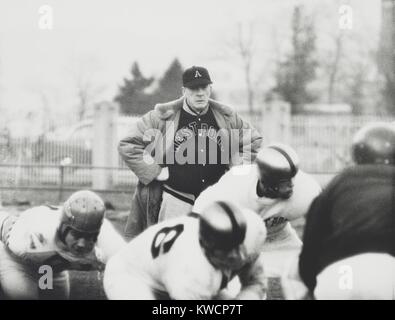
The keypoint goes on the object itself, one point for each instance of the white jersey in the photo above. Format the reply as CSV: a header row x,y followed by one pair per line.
x,y
31,238
364,276
168,260
239,185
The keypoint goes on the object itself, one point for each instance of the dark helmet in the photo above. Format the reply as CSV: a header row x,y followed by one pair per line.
x,y
222,226
83,211
277,164
374,144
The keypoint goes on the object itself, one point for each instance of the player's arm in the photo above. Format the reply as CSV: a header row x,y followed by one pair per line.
x,y
205,198
30,239
121,283
306,189
218,191
253,281
26,234
249,140
109,241
292,285
135,148
3,216
316,228
178,283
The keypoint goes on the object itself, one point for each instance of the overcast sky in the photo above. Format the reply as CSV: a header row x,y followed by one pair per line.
x,y
105,37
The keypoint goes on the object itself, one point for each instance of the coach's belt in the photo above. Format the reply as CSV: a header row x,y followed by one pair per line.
x,y
186,197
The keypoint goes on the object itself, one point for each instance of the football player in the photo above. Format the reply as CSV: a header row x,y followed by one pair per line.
x,y
349,239
192,257
49,241
277,190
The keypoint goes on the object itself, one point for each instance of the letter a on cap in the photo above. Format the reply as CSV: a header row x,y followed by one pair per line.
x,y
197,74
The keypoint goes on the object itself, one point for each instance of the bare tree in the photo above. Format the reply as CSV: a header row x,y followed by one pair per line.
x,y
46,114
245,48
1,87
297,69
84,91
387,53
334,64
87,91
84,76
241,47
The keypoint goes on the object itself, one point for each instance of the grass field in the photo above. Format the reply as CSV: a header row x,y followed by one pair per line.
x,y
88,286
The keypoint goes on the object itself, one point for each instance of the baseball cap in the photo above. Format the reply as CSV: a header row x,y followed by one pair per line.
x,y
195,76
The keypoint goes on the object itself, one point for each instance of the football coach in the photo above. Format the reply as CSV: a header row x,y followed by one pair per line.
x,y
180,148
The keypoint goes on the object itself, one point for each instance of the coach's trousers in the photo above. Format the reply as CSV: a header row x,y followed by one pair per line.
x,y
21,282
146,202
173,207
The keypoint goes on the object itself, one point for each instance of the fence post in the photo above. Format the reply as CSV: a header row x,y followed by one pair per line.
x,y
62,165
103,144
276,122
61,173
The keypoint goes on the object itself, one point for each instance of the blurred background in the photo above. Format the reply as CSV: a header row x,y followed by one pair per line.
x,y
75,75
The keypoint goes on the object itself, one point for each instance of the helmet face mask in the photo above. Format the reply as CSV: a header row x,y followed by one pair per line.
x,y
281,189
232,259
277,166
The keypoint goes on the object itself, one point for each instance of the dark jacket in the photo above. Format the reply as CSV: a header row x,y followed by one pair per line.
x,y
142,150
353,215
